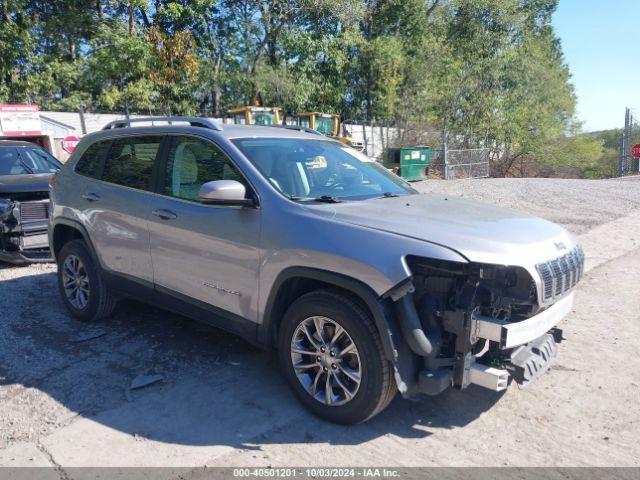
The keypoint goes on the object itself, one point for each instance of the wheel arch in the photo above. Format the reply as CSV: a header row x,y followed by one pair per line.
x,y
294,282
65,230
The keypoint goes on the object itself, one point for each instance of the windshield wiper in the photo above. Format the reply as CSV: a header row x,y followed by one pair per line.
x,y
322,198
327,199
389,195
24,165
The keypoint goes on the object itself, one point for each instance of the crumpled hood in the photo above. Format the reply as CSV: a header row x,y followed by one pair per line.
x,y
480,232
23,184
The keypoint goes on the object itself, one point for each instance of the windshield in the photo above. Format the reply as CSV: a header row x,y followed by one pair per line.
x,y
264,118
306,169
324,125
26,160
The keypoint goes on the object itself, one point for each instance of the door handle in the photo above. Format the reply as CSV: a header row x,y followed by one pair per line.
x,y
165,214
91,197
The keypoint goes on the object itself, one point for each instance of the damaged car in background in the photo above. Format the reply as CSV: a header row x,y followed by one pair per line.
x,y
25,172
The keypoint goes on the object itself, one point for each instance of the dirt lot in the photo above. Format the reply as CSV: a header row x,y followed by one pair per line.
x,y
65,398
579,205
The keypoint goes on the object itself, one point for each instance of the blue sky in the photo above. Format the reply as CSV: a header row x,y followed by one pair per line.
x,y
601,44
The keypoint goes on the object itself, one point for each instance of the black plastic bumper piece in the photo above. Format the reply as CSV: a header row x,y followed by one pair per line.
x,y
22,257
533,359
434,382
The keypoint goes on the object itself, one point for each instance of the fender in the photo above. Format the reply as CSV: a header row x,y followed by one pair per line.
x,y
268,329
379,306
80,228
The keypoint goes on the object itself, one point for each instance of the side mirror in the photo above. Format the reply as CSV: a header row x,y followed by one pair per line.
x,y
224,192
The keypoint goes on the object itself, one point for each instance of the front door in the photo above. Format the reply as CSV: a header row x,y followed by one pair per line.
x,y
206,253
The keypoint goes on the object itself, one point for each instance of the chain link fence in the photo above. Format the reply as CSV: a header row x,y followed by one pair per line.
x,y
459,163
466,163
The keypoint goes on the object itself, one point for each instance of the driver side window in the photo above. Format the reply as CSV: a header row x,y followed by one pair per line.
x,y
191,163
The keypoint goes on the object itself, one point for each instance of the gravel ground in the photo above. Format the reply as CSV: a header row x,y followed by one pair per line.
x,y
65,401
578,205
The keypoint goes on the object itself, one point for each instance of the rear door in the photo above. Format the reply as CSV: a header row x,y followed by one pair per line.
x,y
202,252
116,206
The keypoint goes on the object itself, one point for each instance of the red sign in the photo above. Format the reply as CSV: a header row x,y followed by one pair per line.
x,y
70,143
18,107
635,151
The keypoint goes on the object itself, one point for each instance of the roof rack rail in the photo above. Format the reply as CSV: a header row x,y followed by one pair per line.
x,y
193,121
298,128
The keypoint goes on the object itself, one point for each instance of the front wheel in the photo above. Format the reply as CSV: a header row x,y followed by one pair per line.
x,y
332,356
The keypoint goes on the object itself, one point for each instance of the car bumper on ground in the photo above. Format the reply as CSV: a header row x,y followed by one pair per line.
x,y
24,257
28,247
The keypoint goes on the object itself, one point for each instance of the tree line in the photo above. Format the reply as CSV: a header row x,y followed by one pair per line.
x,y
490,72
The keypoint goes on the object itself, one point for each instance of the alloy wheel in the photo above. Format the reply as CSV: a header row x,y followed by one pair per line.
x,y
326,360
75,281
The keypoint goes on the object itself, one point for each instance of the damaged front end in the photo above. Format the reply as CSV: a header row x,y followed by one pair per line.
x,y
23,228
474,324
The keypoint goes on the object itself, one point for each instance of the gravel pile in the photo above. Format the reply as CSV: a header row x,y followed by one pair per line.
x,y
578,205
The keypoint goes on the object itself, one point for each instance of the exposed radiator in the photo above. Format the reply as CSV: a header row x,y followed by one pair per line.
x,y
34,211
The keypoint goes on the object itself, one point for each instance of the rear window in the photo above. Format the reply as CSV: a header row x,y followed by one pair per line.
x,y
26,161
91,160
38,160
130,161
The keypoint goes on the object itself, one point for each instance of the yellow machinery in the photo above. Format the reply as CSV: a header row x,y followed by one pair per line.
x,y
254,115
327,124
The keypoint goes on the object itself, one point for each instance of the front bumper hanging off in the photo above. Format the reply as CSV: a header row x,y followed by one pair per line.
x,y
510,335
532,344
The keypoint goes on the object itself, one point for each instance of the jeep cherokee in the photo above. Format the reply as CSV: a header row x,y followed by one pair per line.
x,y
300,243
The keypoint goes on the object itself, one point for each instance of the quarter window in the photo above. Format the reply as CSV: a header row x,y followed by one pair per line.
x,y
193,162
91,160
130,161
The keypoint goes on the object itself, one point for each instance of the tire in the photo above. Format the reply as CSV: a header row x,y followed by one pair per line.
x,y
357,402
97,301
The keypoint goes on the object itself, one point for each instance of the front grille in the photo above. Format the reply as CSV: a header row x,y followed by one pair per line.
x,y
562,273
34,211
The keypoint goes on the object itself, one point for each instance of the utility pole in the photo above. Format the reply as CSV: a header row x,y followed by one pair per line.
x,y
445,156
625,144
629,144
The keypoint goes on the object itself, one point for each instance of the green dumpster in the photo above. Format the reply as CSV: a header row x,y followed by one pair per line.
x,y
412,162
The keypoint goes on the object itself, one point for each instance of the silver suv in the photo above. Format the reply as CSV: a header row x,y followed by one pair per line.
x,y
297,242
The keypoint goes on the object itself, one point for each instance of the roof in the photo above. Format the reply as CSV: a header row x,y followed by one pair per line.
x,y
226,131
323,114
56,122
16,143
252,108
248,131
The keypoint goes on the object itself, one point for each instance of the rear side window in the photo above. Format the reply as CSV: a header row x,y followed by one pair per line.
x,y
130,161
91,160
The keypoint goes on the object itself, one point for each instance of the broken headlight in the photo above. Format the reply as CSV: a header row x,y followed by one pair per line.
x,y
5,205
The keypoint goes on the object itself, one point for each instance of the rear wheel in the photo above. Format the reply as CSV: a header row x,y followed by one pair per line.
x,y
81,285
332,356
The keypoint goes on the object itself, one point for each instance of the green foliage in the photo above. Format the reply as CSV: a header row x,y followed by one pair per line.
x,y
117,70
573,155
490,72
